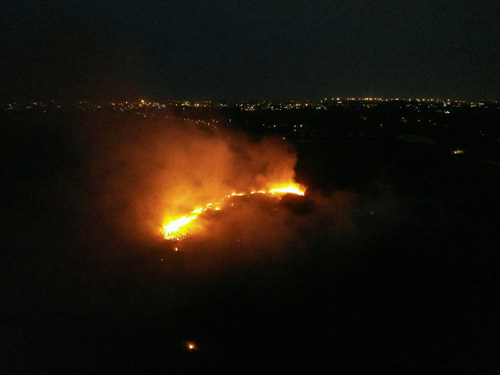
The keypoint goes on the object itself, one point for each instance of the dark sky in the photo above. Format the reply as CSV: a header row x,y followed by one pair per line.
x,y
250,49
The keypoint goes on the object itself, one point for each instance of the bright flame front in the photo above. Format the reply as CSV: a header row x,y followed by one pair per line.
x,y
176,229
287,190
179,228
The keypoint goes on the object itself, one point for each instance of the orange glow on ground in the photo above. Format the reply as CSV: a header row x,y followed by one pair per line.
x,y
181,227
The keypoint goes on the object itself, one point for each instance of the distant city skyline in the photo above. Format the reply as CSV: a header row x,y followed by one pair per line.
x,y
250,50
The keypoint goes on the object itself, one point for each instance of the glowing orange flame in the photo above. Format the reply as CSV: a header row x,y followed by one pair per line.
x,y
173,230
258,192
179,228
287,190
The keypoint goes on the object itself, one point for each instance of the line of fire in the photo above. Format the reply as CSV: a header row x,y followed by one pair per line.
x,y
178,228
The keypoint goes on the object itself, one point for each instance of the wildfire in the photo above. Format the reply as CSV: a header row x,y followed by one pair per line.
x,y
180,228
287,190
173,228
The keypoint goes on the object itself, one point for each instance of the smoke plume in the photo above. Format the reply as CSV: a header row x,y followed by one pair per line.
x,y
145,174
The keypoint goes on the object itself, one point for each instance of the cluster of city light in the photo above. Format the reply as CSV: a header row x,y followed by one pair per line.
x,y
180,227
147,105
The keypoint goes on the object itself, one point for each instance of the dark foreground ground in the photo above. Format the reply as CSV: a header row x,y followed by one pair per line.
x,y
413,291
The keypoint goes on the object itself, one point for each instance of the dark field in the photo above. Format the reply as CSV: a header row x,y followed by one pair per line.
x,y
407,282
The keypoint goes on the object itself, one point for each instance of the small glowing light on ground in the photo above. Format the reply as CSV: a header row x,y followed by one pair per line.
x,y
176,249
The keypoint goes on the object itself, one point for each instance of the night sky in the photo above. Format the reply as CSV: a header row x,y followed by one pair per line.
x,y
245,50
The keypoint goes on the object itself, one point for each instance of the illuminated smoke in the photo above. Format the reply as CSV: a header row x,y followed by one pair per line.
x,y
163,174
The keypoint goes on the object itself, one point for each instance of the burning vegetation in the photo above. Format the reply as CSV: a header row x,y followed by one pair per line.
x,y
179,228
